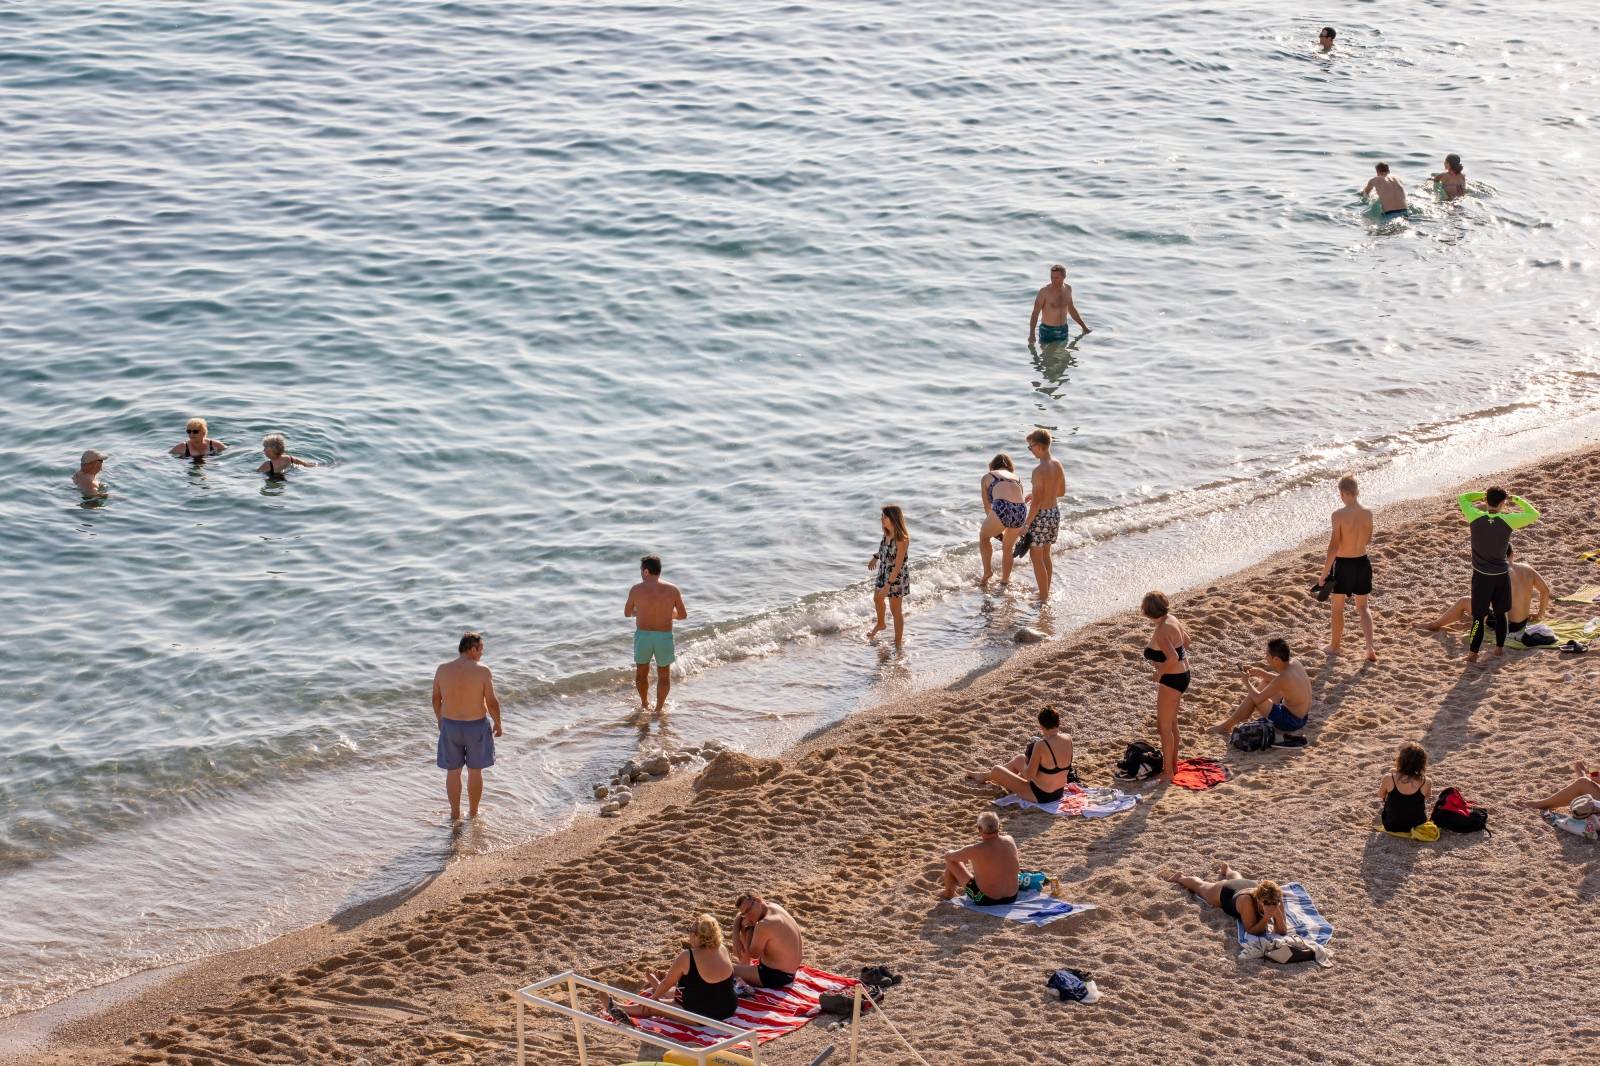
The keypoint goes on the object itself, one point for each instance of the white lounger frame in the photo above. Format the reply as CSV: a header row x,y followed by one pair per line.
x,y
736,1040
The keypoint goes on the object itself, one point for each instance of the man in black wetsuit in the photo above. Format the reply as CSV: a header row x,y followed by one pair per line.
x,y
1491,530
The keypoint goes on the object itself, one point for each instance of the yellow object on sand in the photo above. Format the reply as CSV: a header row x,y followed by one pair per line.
x,y
721,1058
1427,833
1586,594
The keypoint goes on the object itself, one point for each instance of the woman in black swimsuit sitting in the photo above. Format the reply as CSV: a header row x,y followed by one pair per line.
x,y
1257,904
1169,654
1404,790
1040,774
703,973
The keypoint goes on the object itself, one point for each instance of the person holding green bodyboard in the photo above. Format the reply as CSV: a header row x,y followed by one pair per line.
x,y
1491,529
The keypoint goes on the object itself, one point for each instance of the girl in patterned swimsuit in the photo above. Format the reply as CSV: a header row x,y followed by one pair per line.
x,y
1004,511
894,577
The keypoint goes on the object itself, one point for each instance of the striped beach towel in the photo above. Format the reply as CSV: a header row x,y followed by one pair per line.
x,y
1084,802
1304,918
1034,908
768,1012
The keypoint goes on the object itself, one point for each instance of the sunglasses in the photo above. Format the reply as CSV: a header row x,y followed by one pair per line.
x,y
194,432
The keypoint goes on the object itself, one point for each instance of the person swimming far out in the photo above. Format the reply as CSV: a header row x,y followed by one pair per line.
x,y
1403,790
1390,193
1325,38
1005,508
1258,904
1452,180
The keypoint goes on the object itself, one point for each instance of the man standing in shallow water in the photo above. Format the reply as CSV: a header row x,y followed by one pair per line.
x,y
1391,194
463,703
1054,303
655,603
1347,565
1044,510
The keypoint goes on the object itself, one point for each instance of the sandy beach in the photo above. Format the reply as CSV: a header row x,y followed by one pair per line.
x,y
1464,950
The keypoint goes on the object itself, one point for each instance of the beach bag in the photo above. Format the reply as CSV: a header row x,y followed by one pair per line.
x,y
1584,807
1140,760
1258,734
1537,636
1452,811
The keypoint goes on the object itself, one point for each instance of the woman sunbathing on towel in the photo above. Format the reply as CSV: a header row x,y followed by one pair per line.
x,y
1258,904
702,971
1041,772
1586,784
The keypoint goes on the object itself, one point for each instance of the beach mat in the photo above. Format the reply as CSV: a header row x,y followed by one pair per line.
x,y
1304,918
768,1012
1586,594
1034,908
1077,803
1199,774
1565,629
1583,827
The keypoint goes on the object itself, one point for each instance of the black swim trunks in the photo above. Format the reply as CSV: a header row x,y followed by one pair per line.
x,y
1352,577
771,978
975,894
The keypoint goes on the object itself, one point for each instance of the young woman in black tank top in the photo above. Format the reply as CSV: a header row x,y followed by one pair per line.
x,y
1041,773
702,973
1404,790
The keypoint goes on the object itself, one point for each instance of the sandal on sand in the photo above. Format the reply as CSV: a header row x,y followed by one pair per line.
x,y
1573,647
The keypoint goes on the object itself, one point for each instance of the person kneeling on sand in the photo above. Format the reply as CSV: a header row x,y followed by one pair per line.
x,y
1281,693
986,871
1403,791
1040,774
702,972
766,942
1587,783
1258,904
1525,581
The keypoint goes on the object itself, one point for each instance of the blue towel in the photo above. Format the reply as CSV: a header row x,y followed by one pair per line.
x,y
1304,918
1031,907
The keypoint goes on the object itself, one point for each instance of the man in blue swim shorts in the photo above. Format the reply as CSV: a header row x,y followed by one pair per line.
x,y
1054,304
1391,194
655,603
1281,693
463,705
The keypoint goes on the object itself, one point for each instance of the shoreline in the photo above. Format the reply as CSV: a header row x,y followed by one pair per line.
x,y
90,1025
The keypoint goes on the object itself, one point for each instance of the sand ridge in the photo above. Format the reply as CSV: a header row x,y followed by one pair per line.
x,y
1464,948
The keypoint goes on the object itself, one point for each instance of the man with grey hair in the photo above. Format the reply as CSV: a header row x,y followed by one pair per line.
x,y
986,871
1054,304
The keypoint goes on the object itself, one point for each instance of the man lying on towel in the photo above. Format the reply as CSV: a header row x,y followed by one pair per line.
x,y
986,871
766,943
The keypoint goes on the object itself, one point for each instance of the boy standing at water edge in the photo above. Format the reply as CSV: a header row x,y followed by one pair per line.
x,y
1391,194
1491,563
1044,511
1054,302
463,704
655,603
1347,565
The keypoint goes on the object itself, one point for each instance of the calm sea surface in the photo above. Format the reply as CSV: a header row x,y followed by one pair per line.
x,y
543,287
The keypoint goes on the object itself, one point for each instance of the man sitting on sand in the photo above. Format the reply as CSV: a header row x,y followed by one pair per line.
x,y
1347,565
986,871
766,943
655,603
1391,194
87,479
1054,303
1525,581
463,704
1281,693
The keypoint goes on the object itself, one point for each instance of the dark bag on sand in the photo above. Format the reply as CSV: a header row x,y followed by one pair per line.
x,y
1257,734
1452,811
1139,761
1289,954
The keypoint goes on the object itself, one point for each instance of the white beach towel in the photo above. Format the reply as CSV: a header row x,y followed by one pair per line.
x,y
1304,918
1035,908
1583,827
1084,802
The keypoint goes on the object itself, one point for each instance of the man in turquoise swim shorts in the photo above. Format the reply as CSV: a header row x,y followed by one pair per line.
x,y
1054,304
655,603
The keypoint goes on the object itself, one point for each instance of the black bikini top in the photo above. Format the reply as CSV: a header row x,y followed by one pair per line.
x,y
1155,655
1052,768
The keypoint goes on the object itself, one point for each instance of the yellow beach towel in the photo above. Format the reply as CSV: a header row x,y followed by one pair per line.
x,y
1586,594
1427,833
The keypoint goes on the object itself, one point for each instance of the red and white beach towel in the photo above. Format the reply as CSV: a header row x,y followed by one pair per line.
x,y
769,1012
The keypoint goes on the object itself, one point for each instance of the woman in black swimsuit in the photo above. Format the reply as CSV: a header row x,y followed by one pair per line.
x,y
1404,790
702,972
196,444
1255,903
1169,654
1040,774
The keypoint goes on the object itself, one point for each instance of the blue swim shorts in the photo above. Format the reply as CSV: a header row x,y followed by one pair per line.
x,y
1054,334
1285,720
469,744
653,643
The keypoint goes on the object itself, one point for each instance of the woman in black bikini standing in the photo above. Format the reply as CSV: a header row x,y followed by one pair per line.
x,y
703,972
1255,903
1169,653
1040,774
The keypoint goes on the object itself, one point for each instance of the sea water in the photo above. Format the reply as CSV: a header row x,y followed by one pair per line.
x,y
542,287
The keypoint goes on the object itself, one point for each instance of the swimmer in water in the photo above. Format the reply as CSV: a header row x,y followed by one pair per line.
x,y
1452,180
87,479
197,443
275,448
1325,38
1391,194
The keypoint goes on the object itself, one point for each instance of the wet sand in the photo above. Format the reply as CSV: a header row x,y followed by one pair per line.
x,y
1468,947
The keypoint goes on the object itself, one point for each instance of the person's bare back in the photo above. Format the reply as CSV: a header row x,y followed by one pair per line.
x,y
1352,531
1049,483
1391,194
996,862
654,604
466,689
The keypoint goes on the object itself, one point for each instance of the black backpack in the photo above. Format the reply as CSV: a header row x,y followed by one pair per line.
x,y
1452,811
1138,761
1257,734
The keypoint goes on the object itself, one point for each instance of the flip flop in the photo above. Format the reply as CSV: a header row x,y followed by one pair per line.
x,y
1572,647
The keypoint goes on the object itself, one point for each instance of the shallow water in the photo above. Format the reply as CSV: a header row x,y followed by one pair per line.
x,y
545,287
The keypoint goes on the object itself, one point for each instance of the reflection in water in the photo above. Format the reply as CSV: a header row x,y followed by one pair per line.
x,y
1052,361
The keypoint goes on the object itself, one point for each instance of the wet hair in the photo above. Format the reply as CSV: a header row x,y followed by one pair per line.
x,y
1268,894
1328,31
468,642
1411,761
1452,163
1057,266
1382,168
1048,718
197,423
706,933
1278,648
897,521
650,564
1154,605
1002,461
274,442
1041,437
1348,484
988,822
1495,496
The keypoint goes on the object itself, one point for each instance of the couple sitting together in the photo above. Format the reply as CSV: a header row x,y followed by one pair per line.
x,y
766,941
